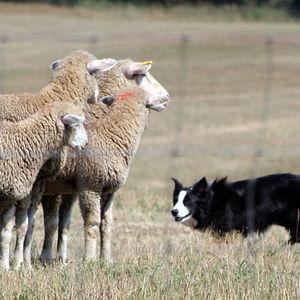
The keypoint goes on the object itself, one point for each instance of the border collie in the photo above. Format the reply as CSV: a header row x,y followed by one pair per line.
x,y
246,206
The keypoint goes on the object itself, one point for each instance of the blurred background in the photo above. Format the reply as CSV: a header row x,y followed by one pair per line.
x,y
232,69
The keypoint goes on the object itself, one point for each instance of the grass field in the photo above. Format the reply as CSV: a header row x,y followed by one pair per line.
x,y
235,111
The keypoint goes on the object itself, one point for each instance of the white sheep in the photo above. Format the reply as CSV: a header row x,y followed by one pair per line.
x,y
72,82
24,147
115,134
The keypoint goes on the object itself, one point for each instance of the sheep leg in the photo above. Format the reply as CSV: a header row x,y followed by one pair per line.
x,y
65,211
28,238
21,230
50,206
7,223
36,195
105,229
90,210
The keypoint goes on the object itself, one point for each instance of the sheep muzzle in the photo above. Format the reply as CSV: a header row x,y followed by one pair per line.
x,y
158,102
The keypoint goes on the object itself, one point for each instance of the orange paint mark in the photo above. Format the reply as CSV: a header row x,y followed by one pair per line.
x,y
124,96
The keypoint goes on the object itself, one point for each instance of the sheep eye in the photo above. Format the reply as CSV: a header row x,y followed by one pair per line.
x,y
139,75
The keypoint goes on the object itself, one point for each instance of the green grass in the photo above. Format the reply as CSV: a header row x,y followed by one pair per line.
x,y
212,127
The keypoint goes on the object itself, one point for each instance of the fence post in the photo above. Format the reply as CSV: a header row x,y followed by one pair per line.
x,y
261,139
3,41
92,43
266,105
182,93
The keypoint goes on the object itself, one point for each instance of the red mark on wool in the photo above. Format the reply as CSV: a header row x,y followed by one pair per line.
x,y
124,96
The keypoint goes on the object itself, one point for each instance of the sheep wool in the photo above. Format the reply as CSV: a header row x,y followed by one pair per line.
x,y
71,82
102,168
26,145
24,148
114,80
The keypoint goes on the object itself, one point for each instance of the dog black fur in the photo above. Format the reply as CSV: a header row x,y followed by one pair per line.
x,y
246,206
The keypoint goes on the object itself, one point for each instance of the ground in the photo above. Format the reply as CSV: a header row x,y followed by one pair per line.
x,y
235,111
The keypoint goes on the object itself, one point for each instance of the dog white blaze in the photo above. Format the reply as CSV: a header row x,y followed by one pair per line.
x,y
182,209
184,212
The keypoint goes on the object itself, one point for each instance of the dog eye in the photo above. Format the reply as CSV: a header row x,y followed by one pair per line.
x,y
186,201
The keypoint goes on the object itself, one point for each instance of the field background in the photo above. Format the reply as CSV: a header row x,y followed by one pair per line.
x,y
235,111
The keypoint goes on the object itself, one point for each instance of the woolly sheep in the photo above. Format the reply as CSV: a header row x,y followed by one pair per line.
x,y
105,162
24,147
72,82
111,74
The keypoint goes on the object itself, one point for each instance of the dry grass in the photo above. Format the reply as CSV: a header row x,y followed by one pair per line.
x,y
166,262
214,127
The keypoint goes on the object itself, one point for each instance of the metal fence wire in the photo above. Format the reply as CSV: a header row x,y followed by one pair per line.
x,y
177,54
185,42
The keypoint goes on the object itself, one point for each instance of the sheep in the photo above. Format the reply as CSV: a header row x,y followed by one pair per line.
x,y
105,162
72,81
24,147
111,73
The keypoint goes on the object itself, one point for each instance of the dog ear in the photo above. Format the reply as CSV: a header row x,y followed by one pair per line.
x,y
200,187
178,185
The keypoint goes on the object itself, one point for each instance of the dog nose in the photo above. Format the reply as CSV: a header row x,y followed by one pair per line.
x,y
174,212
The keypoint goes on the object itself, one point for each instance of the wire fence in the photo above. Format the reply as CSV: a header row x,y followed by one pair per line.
x,y
225,99
183,69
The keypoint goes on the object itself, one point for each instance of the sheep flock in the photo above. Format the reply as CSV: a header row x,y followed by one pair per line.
x,y
75,139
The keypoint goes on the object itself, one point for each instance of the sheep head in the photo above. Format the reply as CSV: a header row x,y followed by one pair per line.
x,y
78,66
123,74
76,136
158,96
113,76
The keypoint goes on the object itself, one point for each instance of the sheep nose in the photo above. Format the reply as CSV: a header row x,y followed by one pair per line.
x,y
166,97
174,212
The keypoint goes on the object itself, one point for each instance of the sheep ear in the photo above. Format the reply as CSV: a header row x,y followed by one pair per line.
x,y
108,100
101,65
56,64
72,120
200,186
137,68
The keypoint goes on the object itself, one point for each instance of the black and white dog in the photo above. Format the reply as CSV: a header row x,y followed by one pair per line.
x,y
247,206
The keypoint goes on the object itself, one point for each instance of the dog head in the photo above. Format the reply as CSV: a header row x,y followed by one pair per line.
x,y
190,203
